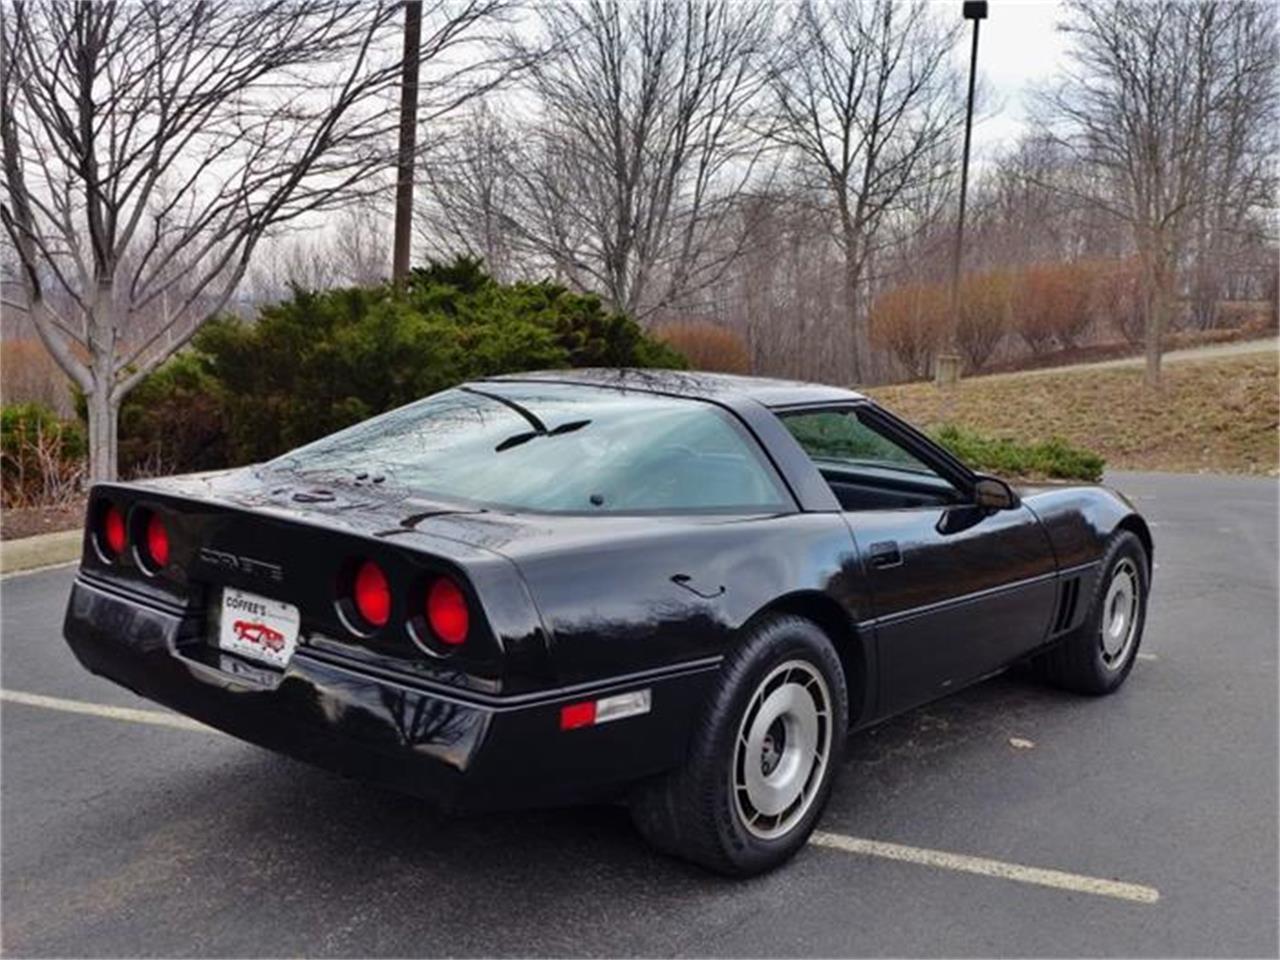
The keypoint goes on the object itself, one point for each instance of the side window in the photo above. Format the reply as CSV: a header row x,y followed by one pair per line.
x,y
839,437
866,469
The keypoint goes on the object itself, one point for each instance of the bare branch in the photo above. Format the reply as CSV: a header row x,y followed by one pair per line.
x,y
149,148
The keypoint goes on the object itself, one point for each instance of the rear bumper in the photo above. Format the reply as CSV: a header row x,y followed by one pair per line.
x,y
459,749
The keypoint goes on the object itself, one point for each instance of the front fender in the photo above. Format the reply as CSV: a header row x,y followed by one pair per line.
x,y
1079,521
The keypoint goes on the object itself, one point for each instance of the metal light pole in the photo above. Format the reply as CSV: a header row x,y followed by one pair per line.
x,y
947,370
408,142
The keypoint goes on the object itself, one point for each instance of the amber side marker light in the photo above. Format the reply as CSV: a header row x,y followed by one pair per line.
x,y
592,713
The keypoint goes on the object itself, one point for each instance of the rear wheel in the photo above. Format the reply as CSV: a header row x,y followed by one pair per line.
x,y
1097,657
762,758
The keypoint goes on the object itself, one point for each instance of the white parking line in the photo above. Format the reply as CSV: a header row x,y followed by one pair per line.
x,y
156,717
939,859
1075,882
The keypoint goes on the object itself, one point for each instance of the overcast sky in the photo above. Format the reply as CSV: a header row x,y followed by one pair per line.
x,y
1017,48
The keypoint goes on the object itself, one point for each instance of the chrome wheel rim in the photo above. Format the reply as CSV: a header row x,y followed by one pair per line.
x,y
781,751
1120,615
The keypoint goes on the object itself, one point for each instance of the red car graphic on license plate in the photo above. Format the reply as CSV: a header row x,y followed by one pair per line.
x,y
259,633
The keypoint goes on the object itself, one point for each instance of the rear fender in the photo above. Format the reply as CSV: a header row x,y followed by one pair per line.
x,y
681,590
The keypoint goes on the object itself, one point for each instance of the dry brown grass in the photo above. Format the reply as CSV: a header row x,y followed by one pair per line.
x,y
1214,415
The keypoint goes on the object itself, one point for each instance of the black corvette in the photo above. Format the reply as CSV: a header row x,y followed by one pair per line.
x,y
682,590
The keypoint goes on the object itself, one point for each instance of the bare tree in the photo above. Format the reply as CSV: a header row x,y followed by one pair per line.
x,y
470,192
640,146
865,96
1164,99
1238,177
150,147
353,251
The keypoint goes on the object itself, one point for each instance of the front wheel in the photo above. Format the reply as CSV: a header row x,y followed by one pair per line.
x,y
762,759
1097,657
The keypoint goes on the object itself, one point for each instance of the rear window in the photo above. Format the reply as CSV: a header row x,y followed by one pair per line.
x,y
555,448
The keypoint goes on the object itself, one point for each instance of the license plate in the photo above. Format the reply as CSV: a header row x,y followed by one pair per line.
x,y
258,627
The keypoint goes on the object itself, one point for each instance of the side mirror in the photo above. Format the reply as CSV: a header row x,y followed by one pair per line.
x,y
994,494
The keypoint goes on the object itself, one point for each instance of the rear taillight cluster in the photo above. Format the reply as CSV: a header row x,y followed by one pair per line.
x,y
435,610
372,594
157,541
437,614
447,613
113,529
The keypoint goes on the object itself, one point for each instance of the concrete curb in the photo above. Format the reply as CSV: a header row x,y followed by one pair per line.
x,y
43,550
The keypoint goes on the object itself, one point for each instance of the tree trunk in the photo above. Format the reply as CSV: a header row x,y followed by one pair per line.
x,y
857,322
403,233
1159,295
104,416
1159,282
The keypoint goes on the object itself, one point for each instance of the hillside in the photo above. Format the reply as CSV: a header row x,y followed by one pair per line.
x,y
1213,415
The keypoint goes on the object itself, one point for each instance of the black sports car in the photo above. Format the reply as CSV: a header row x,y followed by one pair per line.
x,y
678,589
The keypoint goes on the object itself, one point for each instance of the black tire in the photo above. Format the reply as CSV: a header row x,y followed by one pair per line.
x,y
1080,662
695,812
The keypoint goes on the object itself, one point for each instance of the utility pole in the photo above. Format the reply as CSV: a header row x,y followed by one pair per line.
x,y
947,369
408,141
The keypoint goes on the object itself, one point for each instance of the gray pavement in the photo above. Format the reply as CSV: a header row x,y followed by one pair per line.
x,y
122,838
1209,351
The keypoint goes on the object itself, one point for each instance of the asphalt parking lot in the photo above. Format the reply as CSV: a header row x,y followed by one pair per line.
x,y
123,837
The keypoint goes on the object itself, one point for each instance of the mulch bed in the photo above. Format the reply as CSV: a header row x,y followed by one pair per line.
x,y
29,521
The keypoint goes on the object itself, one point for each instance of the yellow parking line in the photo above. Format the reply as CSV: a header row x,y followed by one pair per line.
x,y
939,859
157,717
1076,883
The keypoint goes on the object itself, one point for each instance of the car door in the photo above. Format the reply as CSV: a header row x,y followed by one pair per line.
x,y
957,590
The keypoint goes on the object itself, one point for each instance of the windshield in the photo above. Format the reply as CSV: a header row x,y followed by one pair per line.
x,y
555,448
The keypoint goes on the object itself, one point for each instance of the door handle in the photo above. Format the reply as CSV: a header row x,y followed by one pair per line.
x,y
884,554
686,581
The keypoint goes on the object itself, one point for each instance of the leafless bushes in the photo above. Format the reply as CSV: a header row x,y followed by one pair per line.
x,y
41,459
707,346
1117,294
1052,303
1046,306
909,322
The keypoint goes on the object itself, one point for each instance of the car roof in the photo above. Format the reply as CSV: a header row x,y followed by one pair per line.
x,y
691,383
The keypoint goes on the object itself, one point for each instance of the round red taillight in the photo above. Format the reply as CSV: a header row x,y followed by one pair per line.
x,y
157,541
372,594
113,533
447,612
